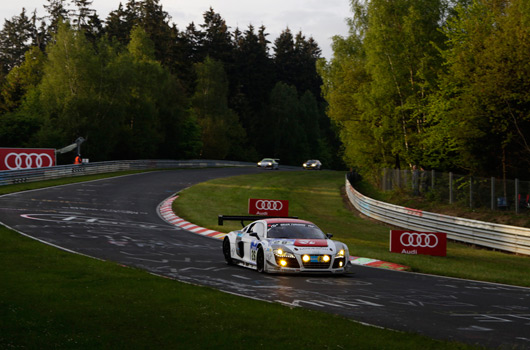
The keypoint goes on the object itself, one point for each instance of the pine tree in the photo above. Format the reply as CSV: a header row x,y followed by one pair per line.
x,y
57,12
217,40
15,39
81,16
117,26
253,79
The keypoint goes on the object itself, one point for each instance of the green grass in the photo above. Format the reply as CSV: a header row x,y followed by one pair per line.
x,y
51,299
316,196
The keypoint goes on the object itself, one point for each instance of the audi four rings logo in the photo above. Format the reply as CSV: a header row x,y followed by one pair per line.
x,y
27,160
422,240
269,205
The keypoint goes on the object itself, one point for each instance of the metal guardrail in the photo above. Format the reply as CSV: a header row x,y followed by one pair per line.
x,y
502,237
10,177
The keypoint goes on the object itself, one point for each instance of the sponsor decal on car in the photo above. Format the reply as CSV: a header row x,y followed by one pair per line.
x,y
253,250
283,241
305,249
311,243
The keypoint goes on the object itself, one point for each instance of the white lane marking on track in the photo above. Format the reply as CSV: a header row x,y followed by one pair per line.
x,y
242,277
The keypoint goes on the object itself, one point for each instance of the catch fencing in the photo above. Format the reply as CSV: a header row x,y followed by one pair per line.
x,y
502,237
462,190
10,177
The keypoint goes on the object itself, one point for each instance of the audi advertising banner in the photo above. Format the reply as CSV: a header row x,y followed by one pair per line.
x,y
426,243
26,158
268,207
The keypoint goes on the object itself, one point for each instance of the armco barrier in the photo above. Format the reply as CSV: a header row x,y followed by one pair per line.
x,y
502,237
10,177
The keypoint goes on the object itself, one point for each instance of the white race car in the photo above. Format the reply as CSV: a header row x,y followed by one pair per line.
x,y
285,245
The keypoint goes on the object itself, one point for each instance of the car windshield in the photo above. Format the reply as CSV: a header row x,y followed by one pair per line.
x,y
294,230
266,160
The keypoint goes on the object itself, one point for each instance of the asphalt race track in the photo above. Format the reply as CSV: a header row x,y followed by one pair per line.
x,y
117,219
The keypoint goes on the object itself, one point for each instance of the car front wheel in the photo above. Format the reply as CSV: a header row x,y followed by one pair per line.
x,y
260,260
226,251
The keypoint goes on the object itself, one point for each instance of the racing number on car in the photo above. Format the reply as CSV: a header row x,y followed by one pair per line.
x,y
253,250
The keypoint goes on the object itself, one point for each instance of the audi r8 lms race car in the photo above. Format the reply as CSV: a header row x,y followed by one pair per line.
x,y
284,245
312,164
269,163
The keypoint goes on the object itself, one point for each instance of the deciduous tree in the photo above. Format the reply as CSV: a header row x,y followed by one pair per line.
x,y
222,134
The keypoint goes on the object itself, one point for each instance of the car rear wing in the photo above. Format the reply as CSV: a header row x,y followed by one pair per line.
x,y
244,218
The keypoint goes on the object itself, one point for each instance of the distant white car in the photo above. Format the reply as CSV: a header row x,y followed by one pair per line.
x,y
312,164
283,245
269,163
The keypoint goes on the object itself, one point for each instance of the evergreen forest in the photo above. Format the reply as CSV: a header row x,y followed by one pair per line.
x,y
136,86
435,84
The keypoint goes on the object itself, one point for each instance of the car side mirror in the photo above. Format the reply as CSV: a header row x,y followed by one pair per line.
x,y
254,234
329,235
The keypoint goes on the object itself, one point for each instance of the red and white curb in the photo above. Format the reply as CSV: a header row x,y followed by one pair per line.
x,y
166,211
167,214
377,263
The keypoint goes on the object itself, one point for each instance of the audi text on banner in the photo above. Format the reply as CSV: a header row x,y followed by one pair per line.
x,y
26,158
425,243
268,207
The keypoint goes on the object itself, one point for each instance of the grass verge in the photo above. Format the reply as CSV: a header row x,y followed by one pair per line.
x,y
53,299
316,196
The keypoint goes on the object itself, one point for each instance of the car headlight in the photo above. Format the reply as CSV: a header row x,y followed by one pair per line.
x,y
313,165
282,253
340,253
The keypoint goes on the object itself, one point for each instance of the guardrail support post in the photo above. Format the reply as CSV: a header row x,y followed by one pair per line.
x,y
471,192
492,193
433,173
516,201
383,180
450,188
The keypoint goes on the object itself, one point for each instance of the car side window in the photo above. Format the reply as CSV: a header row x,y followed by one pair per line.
x,y
249,228
259,228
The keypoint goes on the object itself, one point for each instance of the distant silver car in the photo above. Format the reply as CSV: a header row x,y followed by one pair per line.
x,y
312,164
269,163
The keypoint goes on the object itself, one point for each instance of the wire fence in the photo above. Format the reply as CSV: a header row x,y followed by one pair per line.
x,y
460,190
486,234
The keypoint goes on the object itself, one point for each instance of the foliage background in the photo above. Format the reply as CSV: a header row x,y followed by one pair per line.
x,y
135,86
436,84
